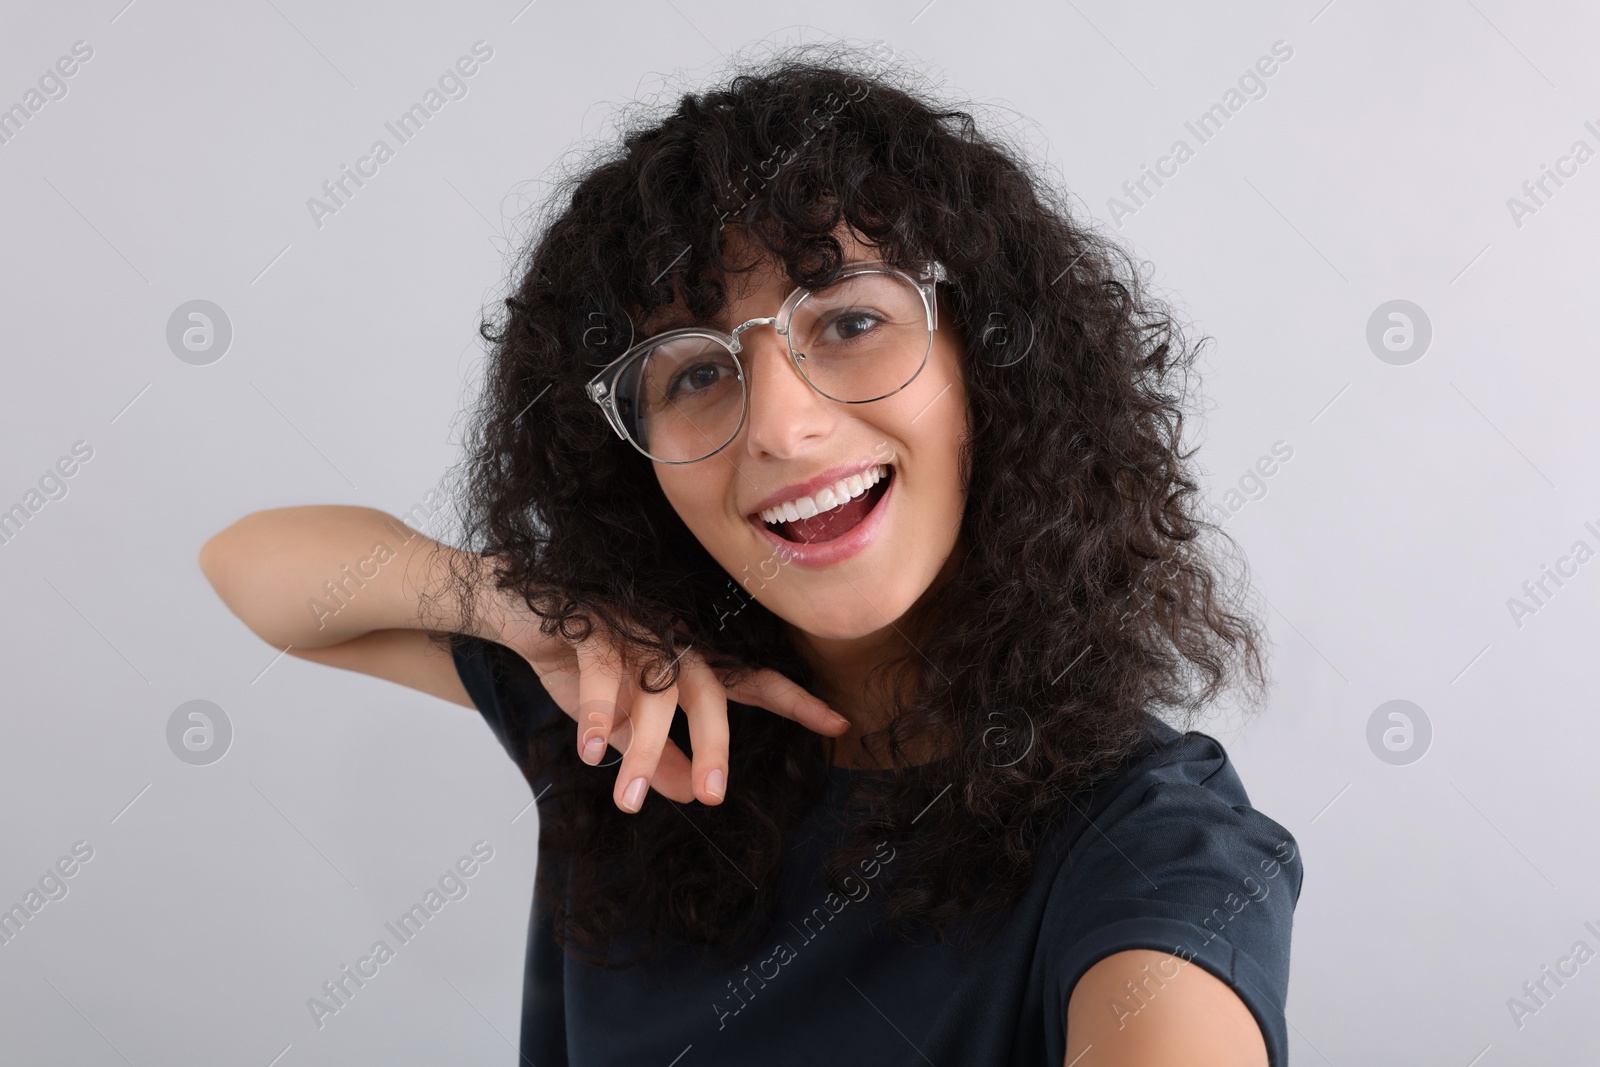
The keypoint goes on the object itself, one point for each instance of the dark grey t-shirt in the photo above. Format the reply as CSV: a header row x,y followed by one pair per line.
x,y
1168,855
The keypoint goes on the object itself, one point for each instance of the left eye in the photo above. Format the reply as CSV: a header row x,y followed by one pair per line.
x,y
696,378
849,325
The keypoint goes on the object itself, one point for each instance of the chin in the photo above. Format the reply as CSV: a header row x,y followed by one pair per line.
x,y
847,614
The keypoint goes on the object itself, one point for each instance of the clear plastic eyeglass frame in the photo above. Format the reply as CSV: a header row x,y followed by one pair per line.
x,y
602,387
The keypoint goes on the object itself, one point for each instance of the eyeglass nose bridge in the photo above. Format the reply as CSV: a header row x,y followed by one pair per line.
x,y
738,346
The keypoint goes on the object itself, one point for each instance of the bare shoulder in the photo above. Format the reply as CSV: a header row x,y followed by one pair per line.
x,y
1153,1009
406,657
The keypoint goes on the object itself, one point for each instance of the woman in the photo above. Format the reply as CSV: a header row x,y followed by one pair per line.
x,y
814,415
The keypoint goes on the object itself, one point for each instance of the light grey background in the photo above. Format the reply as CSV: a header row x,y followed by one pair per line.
x,y
1417,501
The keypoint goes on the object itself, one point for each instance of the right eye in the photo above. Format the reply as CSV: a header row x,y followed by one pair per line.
x,y
697,377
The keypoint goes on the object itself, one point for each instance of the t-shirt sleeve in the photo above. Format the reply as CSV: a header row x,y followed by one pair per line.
x,y
1177,860
506,691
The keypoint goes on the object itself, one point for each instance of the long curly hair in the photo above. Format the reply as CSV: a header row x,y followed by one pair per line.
x,y
1092,595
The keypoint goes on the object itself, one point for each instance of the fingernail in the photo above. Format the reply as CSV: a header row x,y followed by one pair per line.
x,y
593,749
633,796
716,783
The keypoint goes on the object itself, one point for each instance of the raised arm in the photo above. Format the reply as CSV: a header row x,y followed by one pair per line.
x,y
342,586
315,576
339,585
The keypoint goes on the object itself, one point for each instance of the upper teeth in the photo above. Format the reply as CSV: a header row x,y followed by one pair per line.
x,y
825,499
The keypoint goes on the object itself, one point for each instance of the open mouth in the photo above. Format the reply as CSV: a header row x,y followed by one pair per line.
x,y
835,515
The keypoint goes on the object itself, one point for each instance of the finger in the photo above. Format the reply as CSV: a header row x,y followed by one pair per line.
x,y
672,778
705,702
650,719
768,689
615,718
599,680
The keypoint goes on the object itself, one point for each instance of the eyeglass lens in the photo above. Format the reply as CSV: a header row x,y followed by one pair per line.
x,y
861,338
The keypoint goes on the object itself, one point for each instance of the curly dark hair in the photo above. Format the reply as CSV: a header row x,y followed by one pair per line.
x,y
1090,597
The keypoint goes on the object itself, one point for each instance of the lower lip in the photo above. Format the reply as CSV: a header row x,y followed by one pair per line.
x,y
827,553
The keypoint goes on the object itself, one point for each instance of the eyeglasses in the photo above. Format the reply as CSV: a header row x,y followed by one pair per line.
x,y
681,396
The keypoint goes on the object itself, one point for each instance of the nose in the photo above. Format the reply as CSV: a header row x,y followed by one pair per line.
x,y
785,414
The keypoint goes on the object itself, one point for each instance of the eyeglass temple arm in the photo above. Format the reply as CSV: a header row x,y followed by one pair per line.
x,y
936,271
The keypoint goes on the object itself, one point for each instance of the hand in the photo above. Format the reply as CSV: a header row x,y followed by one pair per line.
x,y
598,688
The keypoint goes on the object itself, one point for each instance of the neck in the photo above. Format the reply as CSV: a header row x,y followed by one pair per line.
x,y
841,668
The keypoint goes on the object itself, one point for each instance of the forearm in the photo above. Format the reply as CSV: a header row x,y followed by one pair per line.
x,y
316,576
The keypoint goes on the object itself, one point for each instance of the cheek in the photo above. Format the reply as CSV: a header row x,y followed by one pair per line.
x,y
932,428
948,419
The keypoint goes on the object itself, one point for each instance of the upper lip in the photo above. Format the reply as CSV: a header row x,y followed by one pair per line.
x,y
811,486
